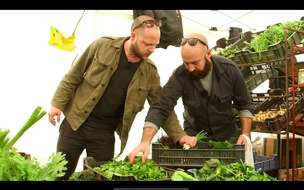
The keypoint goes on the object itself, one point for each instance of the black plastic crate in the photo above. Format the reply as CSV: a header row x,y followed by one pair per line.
x,y
238,57
270,125
240,44
263,102
275,103
251,70
266,163
274,52
90,163
272,100
294,39
195,158
233,40
257,74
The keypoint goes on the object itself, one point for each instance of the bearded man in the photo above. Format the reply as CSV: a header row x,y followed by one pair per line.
x,y
210,86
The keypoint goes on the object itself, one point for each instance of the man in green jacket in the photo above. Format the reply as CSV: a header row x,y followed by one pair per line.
x,y
104,90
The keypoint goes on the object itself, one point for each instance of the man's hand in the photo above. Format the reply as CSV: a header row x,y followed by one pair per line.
x,y
144,146
141,148
190,140
242,140
52,113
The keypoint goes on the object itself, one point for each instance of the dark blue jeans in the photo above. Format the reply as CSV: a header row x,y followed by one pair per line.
x,y
99,145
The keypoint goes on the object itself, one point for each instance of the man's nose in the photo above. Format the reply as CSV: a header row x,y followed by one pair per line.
x,y
152,49
191,67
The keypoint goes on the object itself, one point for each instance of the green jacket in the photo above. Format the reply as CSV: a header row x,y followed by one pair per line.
x,y
82,86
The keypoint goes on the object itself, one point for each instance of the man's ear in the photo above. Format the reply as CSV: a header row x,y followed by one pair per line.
x,y
209,53
132,36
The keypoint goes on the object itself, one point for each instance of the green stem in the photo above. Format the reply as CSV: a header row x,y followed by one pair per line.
x,y
36,116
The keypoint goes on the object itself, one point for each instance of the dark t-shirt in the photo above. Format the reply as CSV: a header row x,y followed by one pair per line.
x,y
109,109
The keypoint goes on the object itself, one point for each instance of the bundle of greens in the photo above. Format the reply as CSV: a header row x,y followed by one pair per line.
x,y
141,171
199,137
273,35
220,145
216,170
16,167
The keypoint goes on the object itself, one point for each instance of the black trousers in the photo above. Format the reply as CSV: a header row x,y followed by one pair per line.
x,y
99,145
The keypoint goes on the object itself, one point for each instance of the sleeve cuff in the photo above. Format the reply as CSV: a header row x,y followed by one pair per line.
x,y
149,124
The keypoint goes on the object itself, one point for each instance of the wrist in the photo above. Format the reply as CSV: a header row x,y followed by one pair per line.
x,y
246,134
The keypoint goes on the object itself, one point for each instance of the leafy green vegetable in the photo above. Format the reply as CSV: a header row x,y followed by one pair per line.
x,y
262,41
201,135
84,175
273,35
141,171
15,167
216,170
226,52
182,176
220,145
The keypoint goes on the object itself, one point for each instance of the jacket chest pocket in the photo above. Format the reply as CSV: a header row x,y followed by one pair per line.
x,y
96,72
224,102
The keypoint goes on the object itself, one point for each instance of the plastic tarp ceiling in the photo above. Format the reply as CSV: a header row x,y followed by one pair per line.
x,y
248,20
222,20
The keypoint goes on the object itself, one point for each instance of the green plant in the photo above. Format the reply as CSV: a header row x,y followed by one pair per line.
x,y
141,171
201,135
37,114
273,35
220,145
182,176
15,167
84,175
216,170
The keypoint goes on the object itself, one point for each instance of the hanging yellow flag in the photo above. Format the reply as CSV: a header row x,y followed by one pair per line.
x,y
59,41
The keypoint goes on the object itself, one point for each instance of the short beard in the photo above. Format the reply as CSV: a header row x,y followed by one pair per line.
x,y
135,50
202,74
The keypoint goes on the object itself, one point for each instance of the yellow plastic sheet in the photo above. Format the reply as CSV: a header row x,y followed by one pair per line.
x,y
59,41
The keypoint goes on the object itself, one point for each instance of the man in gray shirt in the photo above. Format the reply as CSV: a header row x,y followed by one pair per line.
x,y
210,87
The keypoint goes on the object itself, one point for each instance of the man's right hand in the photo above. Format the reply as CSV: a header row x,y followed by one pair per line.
x,y
143,148
190,140
52,113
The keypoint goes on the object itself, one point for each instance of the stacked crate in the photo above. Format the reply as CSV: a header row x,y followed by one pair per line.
x,y
268,102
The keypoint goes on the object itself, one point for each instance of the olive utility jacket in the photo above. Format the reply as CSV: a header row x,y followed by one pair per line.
x,y
82,86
